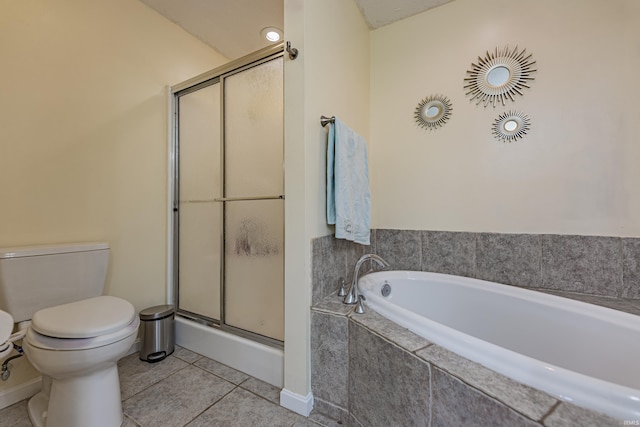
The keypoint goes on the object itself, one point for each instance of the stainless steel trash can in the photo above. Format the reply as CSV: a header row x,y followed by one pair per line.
x,y
158,332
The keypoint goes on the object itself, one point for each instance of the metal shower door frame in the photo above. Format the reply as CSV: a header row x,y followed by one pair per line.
x,y
216,76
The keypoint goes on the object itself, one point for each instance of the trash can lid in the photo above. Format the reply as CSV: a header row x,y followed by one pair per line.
x,y
157,312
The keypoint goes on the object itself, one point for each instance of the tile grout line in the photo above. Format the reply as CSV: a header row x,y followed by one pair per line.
x,y
155,382
239,385
212,405
550,412
236,386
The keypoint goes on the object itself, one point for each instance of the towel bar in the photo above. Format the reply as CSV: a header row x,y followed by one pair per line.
x,y
324,120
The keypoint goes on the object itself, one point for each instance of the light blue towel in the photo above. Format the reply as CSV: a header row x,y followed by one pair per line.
x,y
348,195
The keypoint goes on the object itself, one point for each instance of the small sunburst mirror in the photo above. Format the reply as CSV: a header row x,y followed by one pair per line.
x,y
511,126
499,76
433,112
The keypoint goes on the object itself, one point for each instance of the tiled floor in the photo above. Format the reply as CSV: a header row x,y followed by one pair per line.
x,y
187,389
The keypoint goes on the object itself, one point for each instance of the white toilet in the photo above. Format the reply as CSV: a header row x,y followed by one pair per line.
x,y
76,336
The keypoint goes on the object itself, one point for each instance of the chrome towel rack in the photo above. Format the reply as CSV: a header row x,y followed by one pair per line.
x,y
324,120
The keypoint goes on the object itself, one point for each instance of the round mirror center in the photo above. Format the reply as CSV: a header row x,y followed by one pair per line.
x,y
432,111
498,76
510,125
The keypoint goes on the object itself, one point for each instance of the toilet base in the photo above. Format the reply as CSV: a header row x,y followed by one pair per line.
x,y
37,408
92,400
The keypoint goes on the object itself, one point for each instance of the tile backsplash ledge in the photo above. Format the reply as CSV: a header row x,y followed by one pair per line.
x,y
590,265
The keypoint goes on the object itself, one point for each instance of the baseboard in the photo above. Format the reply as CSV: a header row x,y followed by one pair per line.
x,y
296,402
20,392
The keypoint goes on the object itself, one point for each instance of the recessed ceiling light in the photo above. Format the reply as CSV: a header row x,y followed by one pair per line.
x,y
272,34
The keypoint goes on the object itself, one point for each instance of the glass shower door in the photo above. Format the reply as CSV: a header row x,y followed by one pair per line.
x,y
200,221
229,200
254,210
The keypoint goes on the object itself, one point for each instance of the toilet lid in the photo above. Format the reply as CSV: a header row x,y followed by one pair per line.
x,y
87,318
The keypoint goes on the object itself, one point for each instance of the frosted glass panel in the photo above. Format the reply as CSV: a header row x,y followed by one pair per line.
x,y
254,266
200,144
200,245
254,131
200,218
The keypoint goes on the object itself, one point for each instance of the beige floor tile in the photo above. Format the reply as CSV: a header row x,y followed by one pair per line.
x,y
188,388
262,389
136,375
241,408
221,370
186,355
15,416
177,399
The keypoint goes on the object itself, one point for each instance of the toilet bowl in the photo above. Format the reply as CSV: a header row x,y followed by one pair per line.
x,y
76,334
76,347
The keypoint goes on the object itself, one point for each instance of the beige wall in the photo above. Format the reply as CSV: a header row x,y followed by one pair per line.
x,y
574,173
329,77
83,122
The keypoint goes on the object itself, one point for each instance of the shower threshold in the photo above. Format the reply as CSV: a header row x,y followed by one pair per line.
x,y
258,360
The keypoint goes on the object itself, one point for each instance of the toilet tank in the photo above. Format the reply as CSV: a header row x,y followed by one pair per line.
x,y
37,277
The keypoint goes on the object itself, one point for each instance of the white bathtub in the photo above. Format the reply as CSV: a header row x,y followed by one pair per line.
x,y
578,352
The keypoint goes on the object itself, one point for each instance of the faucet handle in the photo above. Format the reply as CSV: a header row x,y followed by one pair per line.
x,y
342,292
360,305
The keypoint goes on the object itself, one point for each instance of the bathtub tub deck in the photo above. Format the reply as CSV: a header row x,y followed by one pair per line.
x,y
578,352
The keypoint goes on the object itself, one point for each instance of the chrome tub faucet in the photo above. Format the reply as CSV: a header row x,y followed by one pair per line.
x,y
353,296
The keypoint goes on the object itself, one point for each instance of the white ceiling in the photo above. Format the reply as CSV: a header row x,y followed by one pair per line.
x,y
232,27
379,13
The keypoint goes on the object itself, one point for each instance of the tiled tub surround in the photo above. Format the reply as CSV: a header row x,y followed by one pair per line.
x,y
596,269
600,270
368,371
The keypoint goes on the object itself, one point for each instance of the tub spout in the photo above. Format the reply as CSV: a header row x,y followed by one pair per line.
x,y
353,296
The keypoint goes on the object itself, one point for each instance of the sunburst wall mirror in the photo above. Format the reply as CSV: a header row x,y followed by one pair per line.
x,y
433,112
511,126
499,76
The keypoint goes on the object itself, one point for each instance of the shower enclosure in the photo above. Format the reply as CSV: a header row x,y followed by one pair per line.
x,y
228,198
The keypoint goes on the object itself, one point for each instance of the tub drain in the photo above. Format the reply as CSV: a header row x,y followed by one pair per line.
x,y
386,289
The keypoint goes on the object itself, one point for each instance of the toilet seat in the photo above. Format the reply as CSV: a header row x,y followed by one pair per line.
x,y
67,344
84,324
86,318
